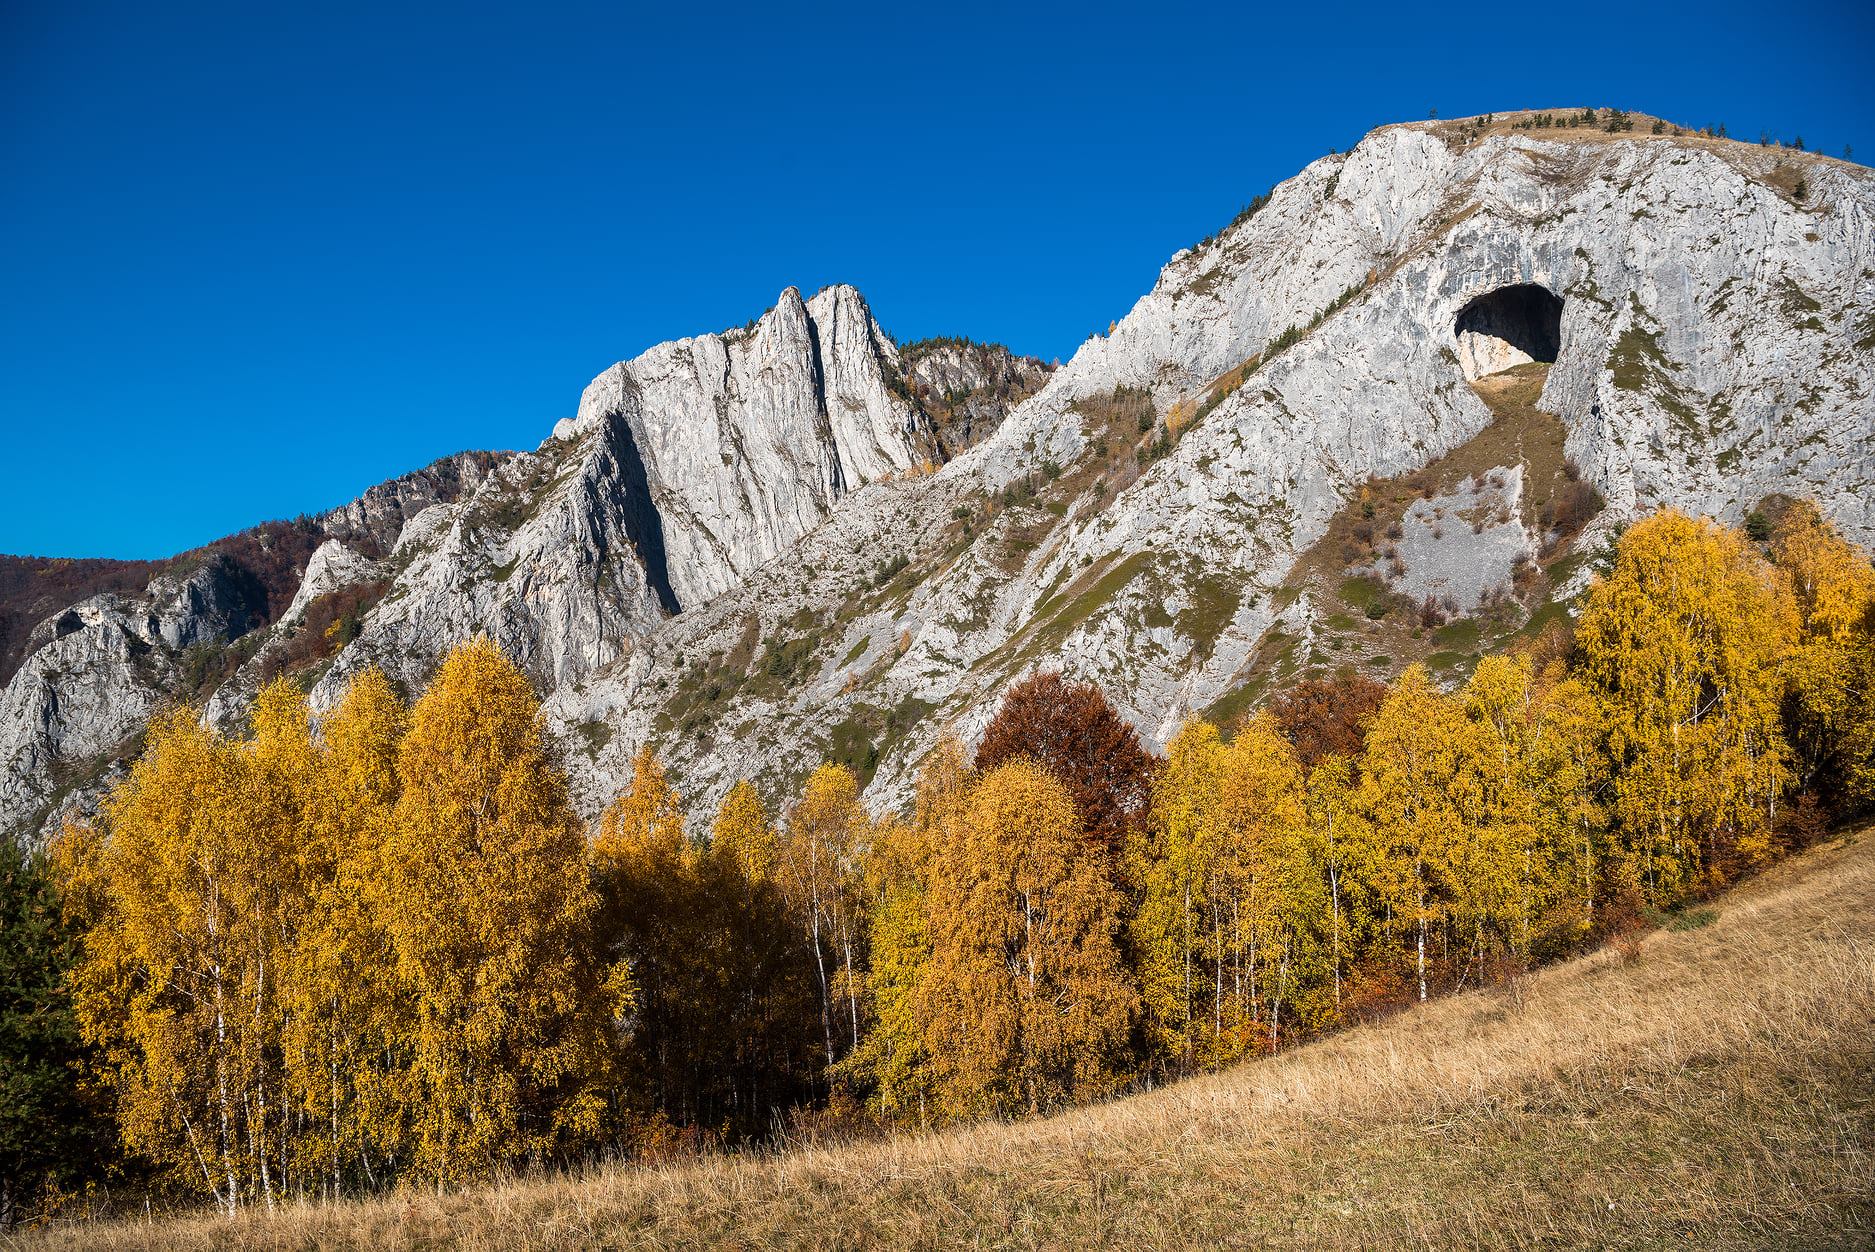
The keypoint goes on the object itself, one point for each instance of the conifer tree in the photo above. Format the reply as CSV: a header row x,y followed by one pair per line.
x,y
52,1134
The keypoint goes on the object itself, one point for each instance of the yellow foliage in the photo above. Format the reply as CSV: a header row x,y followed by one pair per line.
x,y
1682,642
822,853
1025,1001
1831,671
487,908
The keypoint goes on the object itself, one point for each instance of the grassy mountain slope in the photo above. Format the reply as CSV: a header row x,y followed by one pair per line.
x,y
1713,1091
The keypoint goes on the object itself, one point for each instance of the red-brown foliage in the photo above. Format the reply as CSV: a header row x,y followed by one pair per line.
x,y
1328,716
332,621
34,588
1071,731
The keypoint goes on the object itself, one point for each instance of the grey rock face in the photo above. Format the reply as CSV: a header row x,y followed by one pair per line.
x,y
1459,549
684,469
98,669
966,388
746,440
735,551
332,567
1160,581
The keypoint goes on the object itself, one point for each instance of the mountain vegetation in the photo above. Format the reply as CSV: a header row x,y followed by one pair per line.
x,y
378,949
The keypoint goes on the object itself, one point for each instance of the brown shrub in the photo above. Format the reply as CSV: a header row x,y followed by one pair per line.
x,y
1328,716
331,622
1070,730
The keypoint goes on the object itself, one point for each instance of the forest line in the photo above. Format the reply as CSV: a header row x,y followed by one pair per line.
x,y
379,947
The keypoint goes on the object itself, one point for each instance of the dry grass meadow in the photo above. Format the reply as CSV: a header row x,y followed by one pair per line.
x,y
1716,1091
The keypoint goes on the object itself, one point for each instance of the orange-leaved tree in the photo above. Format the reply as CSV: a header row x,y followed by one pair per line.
x,y
1070,730
1026,1001
489,914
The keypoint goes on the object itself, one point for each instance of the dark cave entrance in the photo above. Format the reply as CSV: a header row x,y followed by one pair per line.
x,y
1507,327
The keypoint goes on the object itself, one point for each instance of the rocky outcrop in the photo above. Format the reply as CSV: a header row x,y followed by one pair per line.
x,y
684,469
965,388
748,548
1309,348
746,440
333,567
94,669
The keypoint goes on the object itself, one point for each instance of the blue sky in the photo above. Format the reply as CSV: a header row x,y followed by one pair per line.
x,y
256,257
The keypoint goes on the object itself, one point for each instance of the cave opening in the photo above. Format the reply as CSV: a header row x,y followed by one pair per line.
x,y
1507,327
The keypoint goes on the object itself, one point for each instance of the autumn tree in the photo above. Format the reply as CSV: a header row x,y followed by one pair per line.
x,y
766,1037
1569,774
181,893
1229,927
1513,864
1276,960
653,920
720,1036
1419,795
489,918
1682,643
1174,867
1340,848
1026,1001
821,855
1328,716
343,1030
892,1061
1831,669
1070,730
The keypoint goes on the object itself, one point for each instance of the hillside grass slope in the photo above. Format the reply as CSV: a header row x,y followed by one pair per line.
x,y
1716,1088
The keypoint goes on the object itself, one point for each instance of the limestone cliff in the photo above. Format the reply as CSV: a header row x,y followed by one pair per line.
x,y
1378,418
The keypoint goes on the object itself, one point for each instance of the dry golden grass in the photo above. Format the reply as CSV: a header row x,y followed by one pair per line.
x,y
1714,1093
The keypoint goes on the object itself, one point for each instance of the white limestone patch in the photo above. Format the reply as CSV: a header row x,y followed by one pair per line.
x,y
1461,548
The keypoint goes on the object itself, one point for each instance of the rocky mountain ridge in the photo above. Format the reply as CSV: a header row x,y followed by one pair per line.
x,y
802,541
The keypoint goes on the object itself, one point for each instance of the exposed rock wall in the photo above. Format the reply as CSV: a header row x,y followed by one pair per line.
x,y
735,549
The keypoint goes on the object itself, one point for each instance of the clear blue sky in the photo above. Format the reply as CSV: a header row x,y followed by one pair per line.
x,y
255,257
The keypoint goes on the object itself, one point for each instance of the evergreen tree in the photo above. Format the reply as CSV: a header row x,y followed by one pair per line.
x,y
52,1133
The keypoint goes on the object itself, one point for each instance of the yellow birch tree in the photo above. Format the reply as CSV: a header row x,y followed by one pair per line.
x,y
489,912
1682,642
